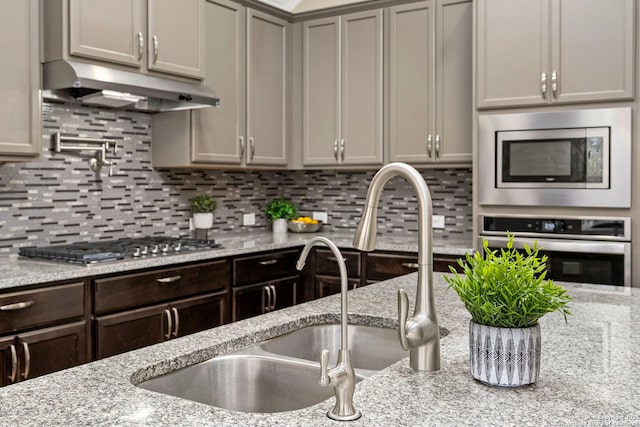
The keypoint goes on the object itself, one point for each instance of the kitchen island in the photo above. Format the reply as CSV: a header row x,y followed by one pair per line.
x,y
590,371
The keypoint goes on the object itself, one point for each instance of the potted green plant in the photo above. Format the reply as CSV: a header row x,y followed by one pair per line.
x,y
506,293
280,211
202,207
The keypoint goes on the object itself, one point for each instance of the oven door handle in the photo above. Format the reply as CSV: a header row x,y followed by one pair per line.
x,y
550,245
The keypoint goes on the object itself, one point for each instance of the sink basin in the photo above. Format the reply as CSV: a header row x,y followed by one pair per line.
x,y
246,383
372,348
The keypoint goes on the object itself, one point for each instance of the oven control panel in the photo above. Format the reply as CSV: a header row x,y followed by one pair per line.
x,y
604,228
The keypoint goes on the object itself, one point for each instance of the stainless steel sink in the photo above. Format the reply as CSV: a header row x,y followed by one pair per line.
x,y
372,348
280,374
246,383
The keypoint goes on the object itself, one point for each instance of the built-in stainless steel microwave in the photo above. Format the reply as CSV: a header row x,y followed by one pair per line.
x,y
565,158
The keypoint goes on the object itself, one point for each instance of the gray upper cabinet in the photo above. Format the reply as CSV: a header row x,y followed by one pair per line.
x,y
20,110
158,35
576,51
266,89
342,90
430,82
246,62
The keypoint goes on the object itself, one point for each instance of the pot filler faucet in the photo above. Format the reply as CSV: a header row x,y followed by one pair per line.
x,y
342,376
419,334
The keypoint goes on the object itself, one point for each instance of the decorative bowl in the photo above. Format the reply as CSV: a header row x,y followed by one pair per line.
x,y
303,227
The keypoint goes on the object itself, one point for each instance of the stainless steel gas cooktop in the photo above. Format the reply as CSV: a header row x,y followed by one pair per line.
x,y
113,250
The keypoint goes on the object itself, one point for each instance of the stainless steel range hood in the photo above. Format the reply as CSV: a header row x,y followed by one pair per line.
x,y
104,86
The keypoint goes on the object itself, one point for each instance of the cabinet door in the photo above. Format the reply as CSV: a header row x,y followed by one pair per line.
x,y
219,132
110,30
454,121
175,37
383,266
8,360
592,49
52,349
200,313
512,52
361,87
122,332
321,91
253,300
20,111
329,285
266,89
412,82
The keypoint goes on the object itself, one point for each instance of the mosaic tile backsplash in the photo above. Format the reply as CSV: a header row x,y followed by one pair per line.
x,y
60,199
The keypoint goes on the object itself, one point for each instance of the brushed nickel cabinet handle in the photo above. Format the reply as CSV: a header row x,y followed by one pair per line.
x,y
140,45
27,360
16,306
169,323
335,149
176,317
268,262
438,146
252,147
543,84
342,145
14,363
275,295
554,83
429,146
332,258
241,147
156,48
266,307
410,265
171,279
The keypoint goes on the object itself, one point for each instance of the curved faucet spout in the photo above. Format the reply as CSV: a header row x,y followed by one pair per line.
x,y
421,332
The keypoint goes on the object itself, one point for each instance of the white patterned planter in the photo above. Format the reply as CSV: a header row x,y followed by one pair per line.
x,y
508,357
280,225
203,220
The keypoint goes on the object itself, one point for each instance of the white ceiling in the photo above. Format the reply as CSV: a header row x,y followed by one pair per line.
x,y
298,6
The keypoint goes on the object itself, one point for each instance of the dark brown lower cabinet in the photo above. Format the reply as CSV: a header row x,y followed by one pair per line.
x,y
329,285
133,329
260,298
43,351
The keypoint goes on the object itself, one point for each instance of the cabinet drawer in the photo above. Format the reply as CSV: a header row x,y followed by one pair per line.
x,y
326,263
37,307
260,268
138,289
383,266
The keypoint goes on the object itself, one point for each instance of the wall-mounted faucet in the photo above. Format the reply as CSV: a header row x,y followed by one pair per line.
x,y
77,143
342,377
420,334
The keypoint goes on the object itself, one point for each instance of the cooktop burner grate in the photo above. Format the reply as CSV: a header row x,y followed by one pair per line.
x,y
113,250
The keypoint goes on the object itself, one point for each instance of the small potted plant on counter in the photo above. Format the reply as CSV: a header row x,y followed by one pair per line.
x,y
202,207
280,211
506,293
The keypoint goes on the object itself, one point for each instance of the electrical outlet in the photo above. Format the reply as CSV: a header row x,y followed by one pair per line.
x,y
438,221
249,219
191,226
320,216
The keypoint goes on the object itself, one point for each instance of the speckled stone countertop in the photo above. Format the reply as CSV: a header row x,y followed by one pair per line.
x,y
590,372
17,271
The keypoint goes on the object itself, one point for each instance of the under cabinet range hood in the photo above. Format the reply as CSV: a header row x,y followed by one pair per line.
x,y
109,87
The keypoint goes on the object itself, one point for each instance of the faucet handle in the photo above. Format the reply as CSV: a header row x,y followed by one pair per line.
x,y
403,314
324,368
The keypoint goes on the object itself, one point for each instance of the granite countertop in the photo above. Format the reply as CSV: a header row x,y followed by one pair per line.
x,y
590,372
17,271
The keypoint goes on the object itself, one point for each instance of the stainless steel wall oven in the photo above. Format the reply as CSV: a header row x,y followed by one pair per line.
x,y
586,249
564,158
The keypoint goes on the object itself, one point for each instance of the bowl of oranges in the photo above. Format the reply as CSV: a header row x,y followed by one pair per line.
x,y
304,224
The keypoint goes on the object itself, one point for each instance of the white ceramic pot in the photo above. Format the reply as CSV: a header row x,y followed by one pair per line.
x,y
508,357
203,220
280,225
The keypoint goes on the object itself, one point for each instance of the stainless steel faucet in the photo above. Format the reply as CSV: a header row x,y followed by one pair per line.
x,y
420,334
342,377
